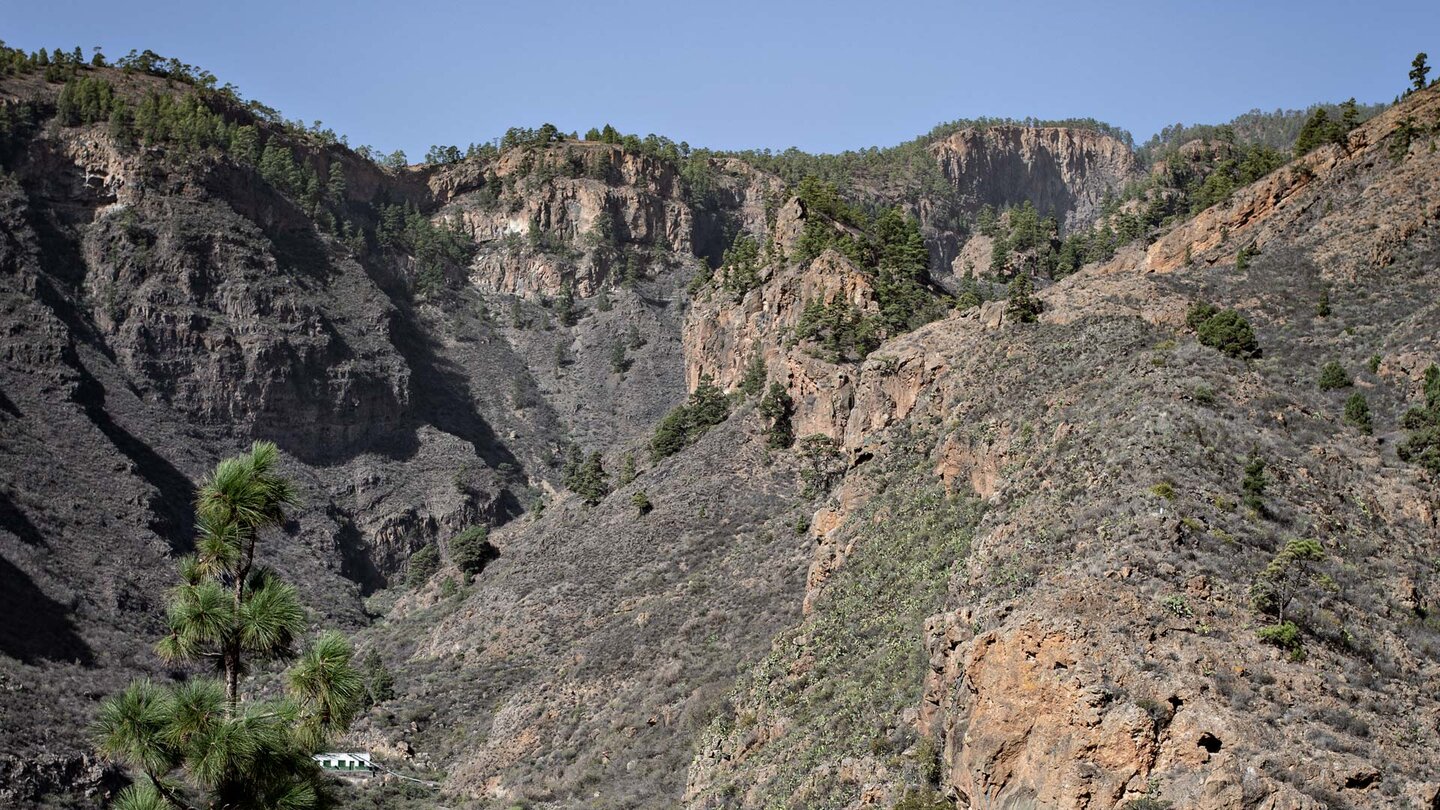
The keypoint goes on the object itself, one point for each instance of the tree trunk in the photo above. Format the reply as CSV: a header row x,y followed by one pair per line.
x,y
232,676
232,644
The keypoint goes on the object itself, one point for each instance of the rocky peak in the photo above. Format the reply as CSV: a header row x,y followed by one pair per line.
x,y
1064,171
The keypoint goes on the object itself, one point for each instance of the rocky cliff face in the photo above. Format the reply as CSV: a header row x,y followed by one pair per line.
x,y
723,336
1064,172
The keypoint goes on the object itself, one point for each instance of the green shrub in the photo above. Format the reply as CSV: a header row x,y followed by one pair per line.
x,y
471,550
1178,605
641,502
1024,307
1243,257
776,408
1333,376
925,798
1286,636
1357,412
1199,313
1253,485
422,565
1228,331
1164,489
685,424
1422,446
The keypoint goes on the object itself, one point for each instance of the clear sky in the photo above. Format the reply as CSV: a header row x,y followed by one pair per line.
x,y
824,76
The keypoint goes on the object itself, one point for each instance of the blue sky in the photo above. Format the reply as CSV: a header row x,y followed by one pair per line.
x,y
824,76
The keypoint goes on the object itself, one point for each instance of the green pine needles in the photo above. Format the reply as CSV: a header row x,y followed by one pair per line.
x,y
200,742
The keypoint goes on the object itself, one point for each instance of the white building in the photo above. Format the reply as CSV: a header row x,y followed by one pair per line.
x,y
345,763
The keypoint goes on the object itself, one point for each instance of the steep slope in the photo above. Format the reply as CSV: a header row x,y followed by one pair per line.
x,y
1096,642
178,289
163,308
168,301
575,668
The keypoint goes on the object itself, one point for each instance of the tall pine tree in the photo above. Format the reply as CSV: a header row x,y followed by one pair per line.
x,y
200,742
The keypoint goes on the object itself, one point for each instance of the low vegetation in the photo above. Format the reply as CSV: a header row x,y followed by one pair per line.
x,y
685,424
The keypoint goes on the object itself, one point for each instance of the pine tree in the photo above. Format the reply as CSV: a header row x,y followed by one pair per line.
x,y
754,379
592,483
565,308
197,742
1285,576
627,468
471,550
570,471
969,296
1419,70
1357,412
1316,130
421,566
1253,485
671,434
67,106
121,126
245,145
1024,306
619,363
686,423
379,683
335,186
776,407
1333,376
708,406
1349,114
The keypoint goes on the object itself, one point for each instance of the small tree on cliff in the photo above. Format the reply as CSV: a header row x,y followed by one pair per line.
x,y
1419,70
200,743
1024,306
776,408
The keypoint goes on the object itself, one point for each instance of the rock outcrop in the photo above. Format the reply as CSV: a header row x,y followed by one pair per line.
x,y
1063,171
